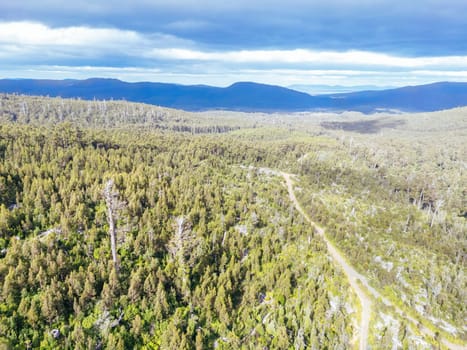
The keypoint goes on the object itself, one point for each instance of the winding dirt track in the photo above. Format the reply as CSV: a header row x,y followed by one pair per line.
x,y
357,280
352,275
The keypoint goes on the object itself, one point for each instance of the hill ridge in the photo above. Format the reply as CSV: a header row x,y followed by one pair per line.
x,y
247,96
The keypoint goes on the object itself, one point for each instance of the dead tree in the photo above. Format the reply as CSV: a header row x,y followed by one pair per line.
x,y
185,249
114,206
438,204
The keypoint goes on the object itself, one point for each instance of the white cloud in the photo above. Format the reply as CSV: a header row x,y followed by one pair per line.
x,y
37,34
303,56
442,74
25,40
31,49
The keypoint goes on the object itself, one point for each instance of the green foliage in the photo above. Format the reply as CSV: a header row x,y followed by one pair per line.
x,y
211,251
241,272
409,248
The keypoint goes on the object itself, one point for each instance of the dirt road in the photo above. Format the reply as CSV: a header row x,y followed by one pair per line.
x,y
357,280
352,275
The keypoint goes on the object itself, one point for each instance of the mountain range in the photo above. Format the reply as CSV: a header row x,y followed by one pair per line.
x,y
246,96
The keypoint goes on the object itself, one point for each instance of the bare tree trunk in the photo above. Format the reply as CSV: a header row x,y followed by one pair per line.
x,y
438,205
113,205
113,236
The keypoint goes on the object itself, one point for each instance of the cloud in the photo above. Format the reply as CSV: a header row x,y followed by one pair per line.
x,y
35,42
37,34
303,56
34,49
416,27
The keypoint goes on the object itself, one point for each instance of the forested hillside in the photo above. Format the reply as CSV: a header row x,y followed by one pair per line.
x,y
131,226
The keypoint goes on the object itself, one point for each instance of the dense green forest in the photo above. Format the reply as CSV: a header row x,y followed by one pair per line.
x,y
132,226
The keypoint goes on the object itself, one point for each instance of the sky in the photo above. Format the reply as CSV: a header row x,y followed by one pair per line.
x,y
377,43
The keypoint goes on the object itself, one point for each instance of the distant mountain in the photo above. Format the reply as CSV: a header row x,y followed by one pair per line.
x,y
431,97
319,89
246,96
239,96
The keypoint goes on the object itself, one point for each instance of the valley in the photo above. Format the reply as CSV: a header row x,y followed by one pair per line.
x,y
307,230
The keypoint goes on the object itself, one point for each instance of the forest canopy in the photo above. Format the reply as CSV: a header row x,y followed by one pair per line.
x,y
131,226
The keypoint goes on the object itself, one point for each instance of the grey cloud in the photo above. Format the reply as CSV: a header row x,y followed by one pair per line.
x,y
428,27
